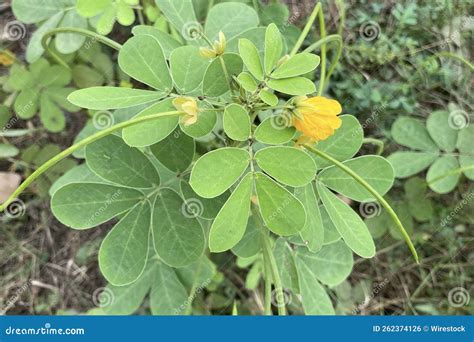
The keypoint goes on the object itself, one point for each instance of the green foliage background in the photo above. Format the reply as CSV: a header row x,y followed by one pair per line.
x,y
404,76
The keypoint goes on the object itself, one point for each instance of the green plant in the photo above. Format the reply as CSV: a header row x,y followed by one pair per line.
x,y
444,145
214,157
42,87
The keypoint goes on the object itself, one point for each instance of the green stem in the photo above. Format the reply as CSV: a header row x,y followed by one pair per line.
x,y
306,29
333,38
341,8
377,142
56,159
322,29
267,250
95,37
454,56
192,293
272,265
374,192
275,107
449,173
268,286
226,74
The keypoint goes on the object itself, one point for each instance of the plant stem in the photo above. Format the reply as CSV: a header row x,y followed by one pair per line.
x,y
226,74
268,255
379,143
57,158
333,38
449,173
267,250
268,286
275,107
374,192
322,34
306,29
95,37
455,56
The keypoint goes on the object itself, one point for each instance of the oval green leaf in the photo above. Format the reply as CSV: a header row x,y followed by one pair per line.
x,y
236,122
251,58
273,131
375,170
313,231
86,205
124,251
412,133
273,48
103,98
113,160
143,59
351,227
331,265
297,65
217,171
229,226
175,152
282,212
178,237
149,133
298,168
297,86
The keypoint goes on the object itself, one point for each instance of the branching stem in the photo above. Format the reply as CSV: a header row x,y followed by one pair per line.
x,y
67,152
374,192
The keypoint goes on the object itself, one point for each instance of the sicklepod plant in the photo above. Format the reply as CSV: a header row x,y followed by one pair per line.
x,y
233,148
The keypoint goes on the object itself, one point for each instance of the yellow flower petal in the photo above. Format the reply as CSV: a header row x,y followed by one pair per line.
x,y
318,117
189,106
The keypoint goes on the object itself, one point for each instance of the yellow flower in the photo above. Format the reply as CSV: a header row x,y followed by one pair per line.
x,y
7,58
189,106
218,48
317,117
